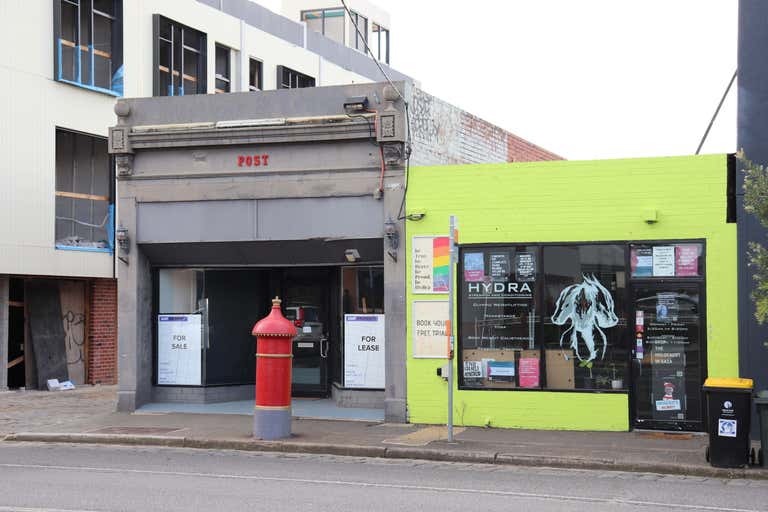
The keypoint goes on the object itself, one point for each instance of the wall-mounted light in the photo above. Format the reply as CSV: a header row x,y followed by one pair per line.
x,y
651,217
352,255
356,104
392,237
415,216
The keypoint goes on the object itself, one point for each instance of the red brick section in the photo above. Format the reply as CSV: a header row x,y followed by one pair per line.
x,y
102,332
520,150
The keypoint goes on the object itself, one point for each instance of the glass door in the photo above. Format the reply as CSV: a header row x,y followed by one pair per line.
x,y
668,354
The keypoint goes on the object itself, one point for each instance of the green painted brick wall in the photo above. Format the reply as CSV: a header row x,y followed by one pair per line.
x,y
573,201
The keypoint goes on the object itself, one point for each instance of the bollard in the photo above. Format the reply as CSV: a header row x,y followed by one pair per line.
x,y
274,358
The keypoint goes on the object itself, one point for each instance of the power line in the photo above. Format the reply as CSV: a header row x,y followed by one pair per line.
x,y
717,111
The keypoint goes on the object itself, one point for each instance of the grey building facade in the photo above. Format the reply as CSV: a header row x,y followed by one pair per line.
x,y
227,200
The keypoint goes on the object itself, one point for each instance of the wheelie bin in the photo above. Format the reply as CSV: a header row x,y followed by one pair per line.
x,y
729,406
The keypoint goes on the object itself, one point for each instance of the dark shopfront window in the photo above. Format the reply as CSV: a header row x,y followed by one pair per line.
x,y
554,316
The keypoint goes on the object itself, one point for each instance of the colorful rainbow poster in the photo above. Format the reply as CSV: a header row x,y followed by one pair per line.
x,y
441,260
430,264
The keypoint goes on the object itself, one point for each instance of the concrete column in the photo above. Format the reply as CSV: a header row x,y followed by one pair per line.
x,y
4,297
134,305
395,409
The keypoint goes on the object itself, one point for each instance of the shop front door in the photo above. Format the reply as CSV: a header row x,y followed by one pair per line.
x,y
668,354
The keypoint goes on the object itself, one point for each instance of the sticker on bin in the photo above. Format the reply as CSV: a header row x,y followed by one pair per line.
x,y
726,428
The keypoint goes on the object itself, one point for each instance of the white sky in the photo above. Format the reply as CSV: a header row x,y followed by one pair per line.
x,y
583,78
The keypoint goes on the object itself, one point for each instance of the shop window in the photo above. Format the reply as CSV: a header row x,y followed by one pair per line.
x,y
223,72
88,44
380,43
180,59
255,74
180,290
84,202
287,78
329,22
543,317
362,290
358,40
667,260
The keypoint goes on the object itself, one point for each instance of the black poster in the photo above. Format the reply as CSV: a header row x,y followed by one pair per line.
x,y
525,267
499,262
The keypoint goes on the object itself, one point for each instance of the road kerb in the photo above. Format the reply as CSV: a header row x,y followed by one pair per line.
x,y
477,457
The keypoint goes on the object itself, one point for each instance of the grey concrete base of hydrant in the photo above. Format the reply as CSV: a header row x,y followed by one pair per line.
x,y
272,424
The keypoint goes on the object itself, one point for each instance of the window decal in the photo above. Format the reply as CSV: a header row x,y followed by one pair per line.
x,y
589,306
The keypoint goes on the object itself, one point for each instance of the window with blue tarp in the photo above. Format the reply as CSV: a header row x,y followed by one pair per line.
x,y
88,44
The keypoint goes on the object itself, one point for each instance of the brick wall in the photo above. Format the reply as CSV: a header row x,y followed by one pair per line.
x,y
444,134
102,332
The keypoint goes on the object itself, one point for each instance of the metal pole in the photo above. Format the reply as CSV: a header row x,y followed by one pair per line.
x,y
451,260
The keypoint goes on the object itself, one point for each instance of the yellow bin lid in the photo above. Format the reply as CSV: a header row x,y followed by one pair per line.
x,y
728,382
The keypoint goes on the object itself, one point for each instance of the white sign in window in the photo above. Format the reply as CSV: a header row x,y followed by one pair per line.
x,y
429,337
179,349
364,345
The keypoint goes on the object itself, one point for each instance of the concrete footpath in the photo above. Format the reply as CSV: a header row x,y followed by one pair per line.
x,y
87,415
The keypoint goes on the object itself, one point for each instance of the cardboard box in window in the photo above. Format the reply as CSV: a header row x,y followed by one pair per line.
x,y
503,379
560,368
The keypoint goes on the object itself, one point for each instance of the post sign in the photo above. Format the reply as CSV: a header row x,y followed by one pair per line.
x,y
429,337
430,264
179,349
364,351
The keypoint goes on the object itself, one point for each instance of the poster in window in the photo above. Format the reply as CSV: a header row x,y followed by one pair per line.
x,y
642,262
664,261
179,349
474,267
429,338
668,381
364,351
687,260
499,263
430,260
529,369
525,267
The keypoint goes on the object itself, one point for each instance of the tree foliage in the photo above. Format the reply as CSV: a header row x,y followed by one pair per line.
x,y
756,203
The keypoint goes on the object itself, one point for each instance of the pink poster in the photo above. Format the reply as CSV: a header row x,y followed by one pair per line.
x,y
529,372
686,260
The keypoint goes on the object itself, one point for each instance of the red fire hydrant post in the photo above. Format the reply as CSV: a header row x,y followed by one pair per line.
x,y
274,358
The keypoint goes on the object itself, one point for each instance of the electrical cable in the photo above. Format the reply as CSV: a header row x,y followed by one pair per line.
x,y
717,111
69,219
405,102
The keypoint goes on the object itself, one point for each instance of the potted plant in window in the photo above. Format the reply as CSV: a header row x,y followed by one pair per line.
x,y
616,383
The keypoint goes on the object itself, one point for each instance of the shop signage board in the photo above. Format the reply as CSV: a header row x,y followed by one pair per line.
x,y
430,264
364,349
179,349
429,338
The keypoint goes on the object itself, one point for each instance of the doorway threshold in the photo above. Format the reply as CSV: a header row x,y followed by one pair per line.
x,y
301,408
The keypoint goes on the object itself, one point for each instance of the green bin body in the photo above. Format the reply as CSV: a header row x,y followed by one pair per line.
x,y
761,404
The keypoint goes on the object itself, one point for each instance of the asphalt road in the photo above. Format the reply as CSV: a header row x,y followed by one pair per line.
x,y
49,477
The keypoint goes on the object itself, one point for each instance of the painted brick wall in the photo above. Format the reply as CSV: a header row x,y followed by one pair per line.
x,y
444,134
572,201
102,332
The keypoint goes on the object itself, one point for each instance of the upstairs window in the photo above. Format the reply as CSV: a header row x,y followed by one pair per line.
x,y
287,78
329,22
84,204
223,69
88,44
180,59
380,42
255,82
357,41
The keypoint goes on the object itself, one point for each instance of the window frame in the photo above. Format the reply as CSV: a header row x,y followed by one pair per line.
x,y
363,30
323,10
538,294
110,224
115,55
378,41
299,76
224,78
260,85
202,65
